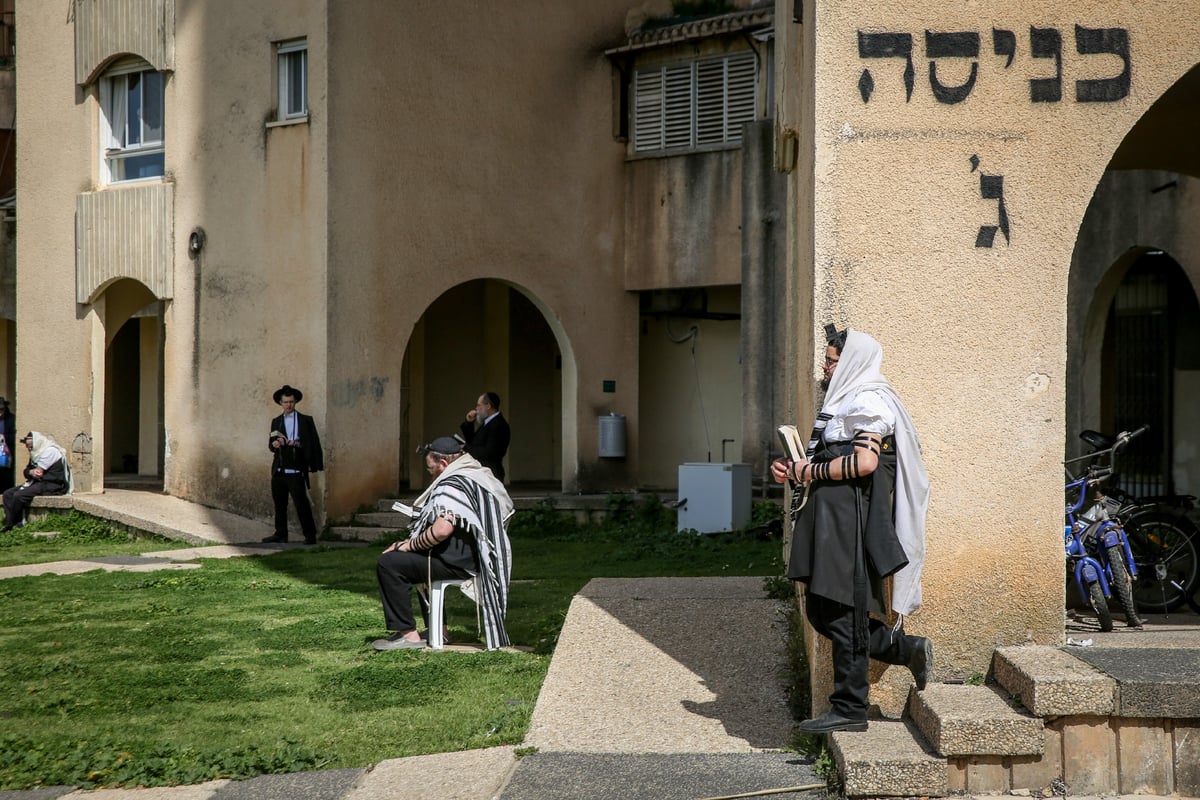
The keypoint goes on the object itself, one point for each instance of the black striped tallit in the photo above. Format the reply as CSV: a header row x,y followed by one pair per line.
x,y
477,511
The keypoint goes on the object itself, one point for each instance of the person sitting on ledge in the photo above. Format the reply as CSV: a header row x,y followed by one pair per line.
x,y
46,473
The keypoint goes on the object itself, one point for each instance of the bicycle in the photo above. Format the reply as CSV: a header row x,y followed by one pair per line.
x,y
1163,538
1097,549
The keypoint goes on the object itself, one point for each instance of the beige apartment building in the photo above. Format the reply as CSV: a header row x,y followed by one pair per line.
x,y
616,207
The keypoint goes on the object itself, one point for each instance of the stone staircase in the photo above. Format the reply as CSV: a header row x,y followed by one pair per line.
x,y
373,526
1090,721
384,523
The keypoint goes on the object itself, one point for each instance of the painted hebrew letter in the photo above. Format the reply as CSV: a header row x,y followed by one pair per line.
x,y
885,45
951,45
1046,43
991,187
1004,43
1092,41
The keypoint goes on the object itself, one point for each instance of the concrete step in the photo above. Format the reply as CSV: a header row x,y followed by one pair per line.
x,y
889,759
1150,687
361,533
1051,683
385,503
974,721
392,520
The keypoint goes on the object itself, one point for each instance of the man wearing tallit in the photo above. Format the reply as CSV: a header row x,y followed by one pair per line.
x,y
863,520
459,530
47,473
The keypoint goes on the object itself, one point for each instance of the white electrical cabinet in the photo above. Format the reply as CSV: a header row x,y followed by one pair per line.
x,y
714,497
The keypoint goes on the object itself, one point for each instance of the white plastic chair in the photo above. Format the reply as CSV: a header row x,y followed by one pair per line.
x,y
437,610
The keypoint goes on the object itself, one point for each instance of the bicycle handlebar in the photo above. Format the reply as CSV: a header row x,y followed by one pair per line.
x,y
1123,438
1096,473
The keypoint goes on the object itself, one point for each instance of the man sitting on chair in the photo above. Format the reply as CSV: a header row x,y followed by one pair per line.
x,y
459,530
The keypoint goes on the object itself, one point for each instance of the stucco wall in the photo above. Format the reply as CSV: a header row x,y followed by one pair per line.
x,y
249,314
240,321
974,335
54,161
683,219
475,159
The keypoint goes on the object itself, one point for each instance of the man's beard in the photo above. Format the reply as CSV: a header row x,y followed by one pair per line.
x,y
824,384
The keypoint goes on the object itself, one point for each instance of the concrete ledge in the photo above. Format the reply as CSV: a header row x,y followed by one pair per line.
x,y
1162,686
1052,683
974,720
887,761
54,501
359,533
393,520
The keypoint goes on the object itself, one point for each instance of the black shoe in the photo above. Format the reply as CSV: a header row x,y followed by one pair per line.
x,y
276,539
921,661
310,542
831,721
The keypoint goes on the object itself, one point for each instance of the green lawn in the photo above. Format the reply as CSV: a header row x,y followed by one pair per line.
x,y
59,537
256,665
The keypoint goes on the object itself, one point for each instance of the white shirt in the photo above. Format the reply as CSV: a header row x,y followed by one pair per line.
x,y
866,412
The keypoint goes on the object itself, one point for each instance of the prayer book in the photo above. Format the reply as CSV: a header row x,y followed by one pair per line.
x,y
793,447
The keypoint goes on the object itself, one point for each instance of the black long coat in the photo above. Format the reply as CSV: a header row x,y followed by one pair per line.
x,y
488,443
308,456
839,515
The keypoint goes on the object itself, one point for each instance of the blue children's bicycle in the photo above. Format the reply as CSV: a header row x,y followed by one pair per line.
x,y
1097,549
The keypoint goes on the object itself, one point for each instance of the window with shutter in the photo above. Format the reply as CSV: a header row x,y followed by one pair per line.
x,y
648,110
694,104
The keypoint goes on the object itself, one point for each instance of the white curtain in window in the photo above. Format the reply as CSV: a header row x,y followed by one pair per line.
x,y
118,111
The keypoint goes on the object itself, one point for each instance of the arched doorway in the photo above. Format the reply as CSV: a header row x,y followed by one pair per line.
x,y
1148,365
487,335
1133,320
133,449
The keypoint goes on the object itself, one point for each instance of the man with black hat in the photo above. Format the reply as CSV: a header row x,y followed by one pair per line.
x,y
459,530
297,452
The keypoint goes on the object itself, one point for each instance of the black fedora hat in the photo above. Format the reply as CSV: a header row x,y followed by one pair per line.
x,y
290,390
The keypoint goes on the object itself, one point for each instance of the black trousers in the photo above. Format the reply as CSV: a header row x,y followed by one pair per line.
x,y
398,572
19,498
295,485
851,686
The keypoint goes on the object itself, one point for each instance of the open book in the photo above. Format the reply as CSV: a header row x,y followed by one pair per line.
x,y
793,447
408,511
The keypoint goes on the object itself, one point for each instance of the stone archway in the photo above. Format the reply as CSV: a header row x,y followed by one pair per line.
x,y
1141,223
490,335
131,450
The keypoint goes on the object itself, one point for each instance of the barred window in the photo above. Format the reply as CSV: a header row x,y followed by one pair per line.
x,y
694,104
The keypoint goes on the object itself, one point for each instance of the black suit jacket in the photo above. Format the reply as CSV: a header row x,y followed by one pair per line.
x,y
489,443
309,457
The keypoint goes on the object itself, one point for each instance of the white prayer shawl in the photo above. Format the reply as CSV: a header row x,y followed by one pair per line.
x,y
42,454
468,492
858,369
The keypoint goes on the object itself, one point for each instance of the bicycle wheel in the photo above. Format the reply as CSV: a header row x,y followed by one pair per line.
x,y
1122,585
1168,564
1100,605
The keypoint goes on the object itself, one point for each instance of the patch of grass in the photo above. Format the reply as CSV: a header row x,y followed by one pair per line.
x,y
79,536
258,665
